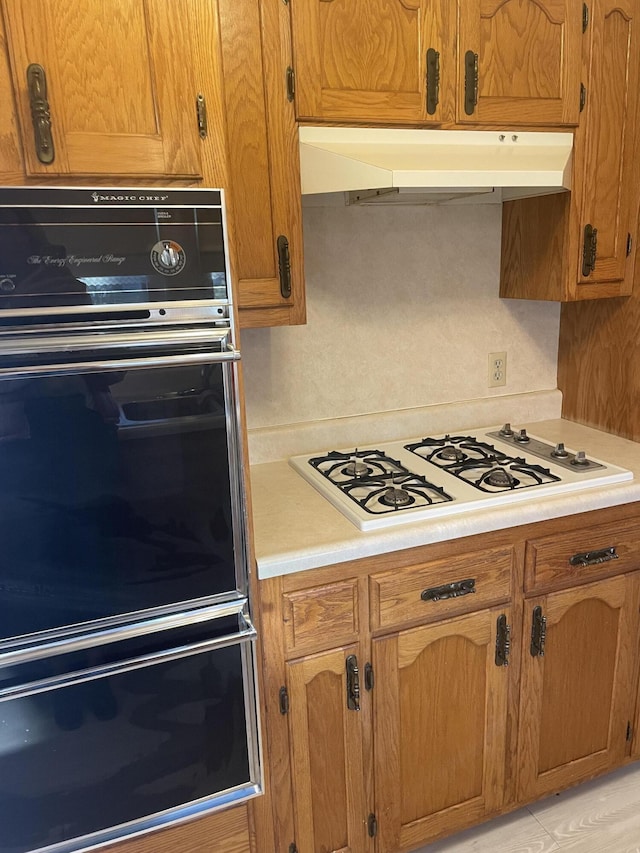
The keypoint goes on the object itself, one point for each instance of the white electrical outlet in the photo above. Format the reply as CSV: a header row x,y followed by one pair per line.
x,y
497,369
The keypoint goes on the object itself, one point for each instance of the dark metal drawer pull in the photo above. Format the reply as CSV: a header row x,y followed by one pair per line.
x,y
538,633
449,590
592,558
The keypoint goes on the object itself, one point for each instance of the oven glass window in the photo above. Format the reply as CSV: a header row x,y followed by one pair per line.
x,y
80,759
114,495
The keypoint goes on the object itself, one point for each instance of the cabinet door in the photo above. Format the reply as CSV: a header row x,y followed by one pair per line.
x,y
119,85
608,186
264,198
528,58
327,756
576,695
440,728
371,60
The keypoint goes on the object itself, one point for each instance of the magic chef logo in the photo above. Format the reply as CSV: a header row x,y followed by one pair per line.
x,y
98,197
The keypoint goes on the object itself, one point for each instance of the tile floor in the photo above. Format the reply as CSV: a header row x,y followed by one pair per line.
x,y
597,817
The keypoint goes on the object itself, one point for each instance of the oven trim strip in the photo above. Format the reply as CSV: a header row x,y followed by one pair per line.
x,y
242,635
14,656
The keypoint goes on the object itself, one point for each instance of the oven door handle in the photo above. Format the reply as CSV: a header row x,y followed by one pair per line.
x,y
33,371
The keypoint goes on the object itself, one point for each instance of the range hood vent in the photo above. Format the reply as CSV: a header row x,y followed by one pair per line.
x,y
458,162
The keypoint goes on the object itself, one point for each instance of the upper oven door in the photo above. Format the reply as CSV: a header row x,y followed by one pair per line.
x,y
119,480
84,250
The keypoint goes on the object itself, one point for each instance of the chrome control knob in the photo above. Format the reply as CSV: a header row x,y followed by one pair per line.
x,y
522,437
580,458
559,451
506,431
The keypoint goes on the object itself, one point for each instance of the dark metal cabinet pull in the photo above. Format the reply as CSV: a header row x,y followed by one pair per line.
x,y
284,266
470,82
503,641
40,116
433,80
589,250
449,590
538,633
353,683
592,558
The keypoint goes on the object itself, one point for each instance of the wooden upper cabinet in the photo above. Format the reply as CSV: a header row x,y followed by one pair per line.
x,y
609,196
375,60
520,60
121,90
549,248
263,162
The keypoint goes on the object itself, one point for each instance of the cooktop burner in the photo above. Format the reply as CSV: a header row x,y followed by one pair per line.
x,y
408,481
481,464
377,483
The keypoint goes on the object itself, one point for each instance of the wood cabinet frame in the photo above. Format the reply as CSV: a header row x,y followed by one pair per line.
x,y
354,581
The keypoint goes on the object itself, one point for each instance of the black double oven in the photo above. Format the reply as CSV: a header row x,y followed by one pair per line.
x,y
127,661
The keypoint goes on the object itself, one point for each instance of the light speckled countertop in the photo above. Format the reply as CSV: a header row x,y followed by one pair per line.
x,y
295,528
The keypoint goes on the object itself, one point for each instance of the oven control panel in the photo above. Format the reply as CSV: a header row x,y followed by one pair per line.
x,y
518,438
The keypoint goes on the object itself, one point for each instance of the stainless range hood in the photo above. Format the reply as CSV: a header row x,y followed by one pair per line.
x,y
380,164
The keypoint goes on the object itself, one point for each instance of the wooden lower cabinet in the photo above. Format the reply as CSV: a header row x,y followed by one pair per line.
x,y
577,703
448,735
327,755
440,724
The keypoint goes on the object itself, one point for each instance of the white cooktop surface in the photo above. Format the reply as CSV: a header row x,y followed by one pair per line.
x,y
466,497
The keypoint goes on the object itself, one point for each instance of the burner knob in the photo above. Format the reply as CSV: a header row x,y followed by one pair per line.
x,y
522,436
506,431
559,452
580,458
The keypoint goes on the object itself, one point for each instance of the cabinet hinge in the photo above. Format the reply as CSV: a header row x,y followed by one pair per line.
x,y
433,80
629,731
201,112
291,83
353,683
284,700
284,266
503,641
583,96
538,633
293,847
369,680
589,249
629,244
585,17
372,825
470,82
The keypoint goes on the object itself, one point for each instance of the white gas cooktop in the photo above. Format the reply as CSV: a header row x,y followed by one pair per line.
x,y
407,481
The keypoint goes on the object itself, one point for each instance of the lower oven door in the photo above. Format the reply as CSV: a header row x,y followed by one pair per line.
x,y
109,740
120,480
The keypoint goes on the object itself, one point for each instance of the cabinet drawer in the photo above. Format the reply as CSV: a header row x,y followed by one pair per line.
x,y
321,616
584,554
440,588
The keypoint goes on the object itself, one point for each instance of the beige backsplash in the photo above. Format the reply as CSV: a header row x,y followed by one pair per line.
x,y
403,310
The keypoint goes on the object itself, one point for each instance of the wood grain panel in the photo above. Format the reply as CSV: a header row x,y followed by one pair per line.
x,y
121,100
547,559
359,60
577,699
322,616
395,595
528,60
440,748
11,164
223,832
326,755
